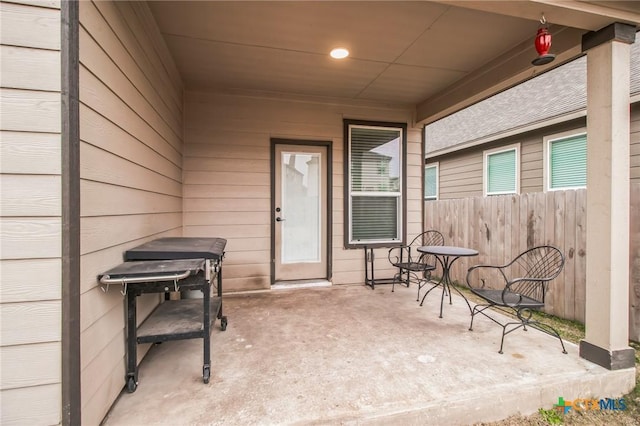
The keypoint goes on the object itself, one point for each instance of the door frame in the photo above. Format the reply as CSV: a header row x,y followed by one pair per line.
x,y
329,201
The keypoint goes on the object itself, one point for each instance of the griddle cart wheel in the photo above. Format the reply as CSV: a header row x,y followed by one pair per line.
x,y
131,384
206,374
223,323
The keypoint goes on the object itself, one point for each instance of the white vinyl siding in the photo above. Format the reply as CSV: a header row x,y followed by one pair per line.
x,y
375,183
431,181
502,171
565,161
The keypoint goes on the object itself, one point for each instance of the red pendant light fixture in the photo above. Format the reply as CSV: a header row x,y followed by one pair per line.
x,y
543,44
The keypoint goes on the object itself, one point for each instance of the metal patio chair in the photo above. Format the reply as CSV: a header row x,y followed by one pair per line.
x,y
413,265
517,288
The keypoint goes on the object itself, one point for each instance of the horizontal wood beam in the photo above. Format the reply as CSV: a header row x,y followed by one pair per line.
x,y
510,69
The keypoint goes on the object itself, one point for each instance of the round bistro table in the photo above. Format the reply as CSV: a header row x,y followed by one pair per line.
x,y
446,255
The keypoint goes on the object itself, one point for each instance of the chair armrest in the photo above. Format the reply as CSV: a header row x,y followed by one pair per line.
x,y
515,281
479,267
399,254
508,296
532,282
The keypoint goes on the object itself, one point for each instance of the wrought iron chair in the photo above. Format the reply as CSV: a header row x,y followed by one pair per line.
x,y
413,265
517,288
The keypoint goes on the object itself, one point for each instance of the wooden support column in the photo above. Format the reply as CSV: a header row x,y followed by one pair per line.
x,y
70,166
607,288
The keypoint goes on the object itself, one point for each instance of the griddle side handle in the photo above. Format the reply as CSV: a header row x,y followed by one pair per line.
x,y
106,279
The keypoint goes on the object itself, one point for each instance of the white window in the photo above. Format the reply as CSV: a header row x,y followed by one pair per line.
x,y
565,165
502,170
431,181
374,182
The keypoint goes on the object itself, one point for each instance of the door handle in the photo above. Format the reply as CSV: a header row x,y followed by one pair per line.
x,y
279,219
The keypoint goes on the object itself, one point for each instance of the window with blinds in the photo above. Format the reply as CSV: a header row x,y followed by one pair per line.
x,y
501,171
567,162
374,178
431,182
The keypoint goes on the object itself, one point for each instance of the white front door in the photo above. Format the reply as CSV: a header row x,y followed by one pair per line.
x,y
300,213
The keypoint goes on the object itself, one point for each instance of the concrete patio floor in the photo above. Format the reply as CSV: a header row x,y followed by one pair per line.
x,y
352,355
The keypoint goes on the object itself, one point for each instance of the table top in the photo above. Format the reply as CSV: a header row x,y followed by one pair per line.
x,y
178,248
448,250
154,267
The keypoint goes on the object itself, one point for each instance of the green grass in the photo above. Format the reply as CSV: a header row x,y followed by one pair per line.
x,y
552,417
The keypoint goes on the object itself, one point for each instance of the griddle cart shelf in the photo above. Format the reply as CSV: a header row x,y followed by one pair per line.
x,y
161,266
177,319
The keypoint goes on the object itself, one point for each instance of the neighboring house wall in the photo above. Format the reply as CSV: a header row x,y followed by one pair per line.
x,y
131,176
556,217
227,177
30,215
461,172
460,177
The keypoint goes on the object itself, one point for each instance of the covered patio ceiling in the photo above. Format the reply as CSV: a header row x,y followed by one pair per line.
x,y
437,56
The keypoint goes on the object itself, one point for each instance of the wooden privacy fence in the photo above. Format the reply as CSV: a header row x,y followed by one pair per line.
x,y
501,227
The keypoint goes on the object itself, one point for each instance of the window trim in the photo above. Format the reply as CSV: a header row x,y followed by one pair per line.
x,y
435,165
546,147
402,205
485,175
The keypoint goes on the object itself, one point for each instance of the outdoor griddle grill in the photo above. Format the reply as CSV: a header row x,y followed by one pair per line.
x,y
161,266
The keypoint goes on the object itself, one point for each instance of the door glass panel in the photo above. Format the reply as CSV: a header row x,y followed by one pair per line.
x,y
300,207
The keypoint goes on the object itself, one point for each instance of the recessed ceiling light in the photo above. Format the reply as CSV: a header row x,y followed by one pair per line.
x,y
339,53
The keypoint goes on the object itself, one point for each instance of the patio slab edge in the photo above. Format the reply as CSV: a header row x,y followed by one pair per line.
x,y
467,408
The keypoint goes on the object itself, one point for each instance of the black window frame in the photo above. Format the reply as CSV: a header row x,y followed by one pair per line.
x,y
347,123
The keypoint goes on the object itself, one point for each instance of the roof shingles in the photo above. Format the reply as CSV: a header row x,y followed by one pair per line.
x,y
558,92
